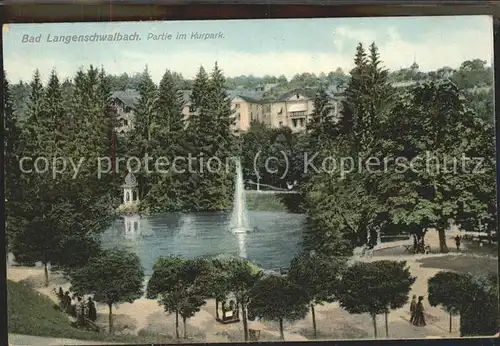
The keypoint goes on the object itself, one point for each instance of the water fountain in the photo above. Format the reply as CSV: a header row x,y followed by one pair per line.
x,y
239,220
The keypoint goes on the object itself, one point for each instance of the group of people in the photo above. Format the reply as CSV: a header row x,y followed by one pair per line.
x,y
420,246
76,307
233,309
417,311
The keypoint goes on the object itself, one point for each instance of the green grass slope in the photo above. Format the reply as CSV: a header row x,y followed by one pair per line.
x,y
32,313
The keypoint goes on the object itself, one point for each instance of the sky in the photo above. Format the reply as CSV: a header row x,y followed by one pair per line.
x,y
249,47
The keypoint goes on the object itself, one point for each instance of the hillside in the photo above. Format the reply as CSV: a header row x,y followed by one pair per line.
x,y
32,313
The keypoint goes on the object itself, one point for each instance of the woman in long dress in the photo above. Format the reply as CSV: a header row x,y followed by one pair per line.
x,y
419,319
413,307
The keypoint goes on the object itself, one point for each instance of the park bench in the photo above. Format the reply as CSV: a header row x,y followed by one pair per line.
x,y
408,248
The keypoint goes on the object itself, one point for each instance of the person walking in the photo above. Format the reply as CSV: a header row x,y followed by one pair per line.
x,y
80,312
419,319
92,312
67,302
413,308
457,242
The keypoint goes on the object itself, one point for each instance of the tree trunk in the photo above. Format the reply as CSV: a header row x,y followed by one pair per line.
x,y
450,323
185,330
216,308
374,319
282,335
313,313
110,318
177,325
443,248
46,272
245,321
386,324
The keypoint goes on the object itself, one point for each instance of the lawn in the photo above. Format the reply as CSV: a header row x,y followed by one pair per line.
x,y
31,313
475,265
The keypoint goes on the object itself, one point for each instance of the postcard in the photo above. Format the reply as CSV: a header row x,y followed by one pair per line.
x,y
250,180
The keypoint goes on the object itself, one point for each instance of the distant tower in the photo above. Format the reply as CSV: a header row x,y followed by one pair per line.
x,y
414,67
130,193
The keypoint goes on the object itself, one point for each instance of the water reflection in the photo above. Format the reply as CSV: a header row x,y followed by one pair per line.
x,y
242,237
273,243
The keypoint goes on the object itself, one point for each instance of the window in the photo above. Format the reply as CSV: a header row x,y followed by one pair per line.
x,y
237,105
126,109
251,115
125,122
294,122
298,114
238,116
301,122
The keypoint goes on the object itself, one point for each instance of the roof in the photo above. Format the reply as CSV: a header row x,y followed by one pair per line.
x,y
287,95
130,180
129,97
249,96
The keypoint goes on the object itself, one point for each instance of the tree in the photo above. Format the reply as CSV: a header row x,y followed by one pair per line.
x,y
397,281
375,288
12,147
357,215
219,281
319,276
433,129
189,306
479,313
114,276
61,216
474,298
167,140
276,298
322,123
253,141
242,279
473,74
145,124
446,289
37,136
174,283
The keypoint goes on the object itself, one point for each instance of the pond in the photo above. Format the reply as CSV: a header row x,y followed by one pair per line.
x,y
273,243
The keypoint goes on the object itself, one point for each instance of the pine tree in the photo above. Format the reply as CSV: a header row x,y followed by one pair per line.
x,y
200,87
358,213
52,115
145,124
322,124
167,192
219,134
12,156
63,215
31,133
